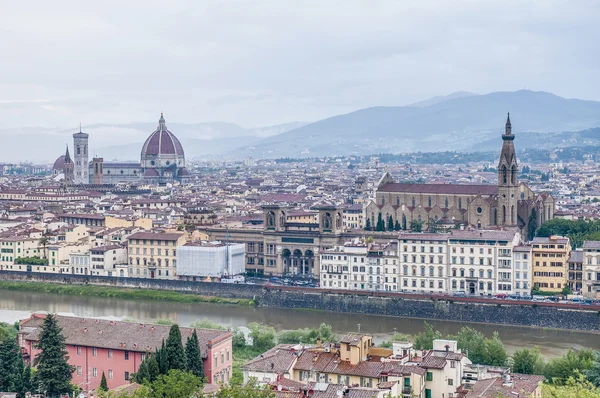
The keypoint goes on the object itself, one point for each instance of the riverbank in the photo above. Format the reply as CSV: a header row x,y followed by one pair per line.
x,y
120,293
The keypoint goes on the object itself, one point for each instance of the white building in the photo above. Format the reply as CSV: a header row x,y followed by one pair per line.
x,y
358,266
591,269
210,259
424,262
523,281
102,261
481,261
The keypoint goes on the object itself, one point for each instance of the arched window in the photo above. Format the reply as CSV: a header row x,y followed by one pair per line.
x,y
429,201
166,262
495,216
460,203
503,214
398,201
446,202
512,214
504,175
513,175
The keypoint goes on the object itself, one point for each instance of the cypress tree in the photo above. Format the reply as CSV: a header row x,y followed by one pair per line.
x,y
380,224
174,349
153,368
161,357
368,225
390,224
397,226
103,383
53,370
141,376
192,353
11,366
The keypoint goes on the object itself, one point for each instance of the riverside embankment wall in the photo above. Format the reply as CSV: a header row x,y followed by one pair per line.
x,y
544,315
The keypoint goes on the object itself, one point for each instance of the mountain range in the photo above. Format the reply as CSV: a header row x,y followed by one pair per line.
x,y
460,121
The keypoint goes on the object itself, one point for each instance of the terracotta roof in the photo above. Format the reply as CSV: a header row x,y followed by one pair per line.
x,y
450,189
520,386
156,235
89,332
278,359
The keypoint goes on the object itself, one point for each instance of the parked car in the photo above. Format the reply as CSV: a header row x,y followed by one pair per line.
x,y
459,293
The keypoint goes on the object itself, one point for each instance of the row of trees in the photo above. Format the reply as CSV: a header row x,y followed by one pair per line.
x,y
172,356
389,225
576,230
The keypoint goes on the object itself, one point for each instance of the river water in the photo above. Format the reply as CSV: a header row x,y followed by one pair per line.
x,y
19,305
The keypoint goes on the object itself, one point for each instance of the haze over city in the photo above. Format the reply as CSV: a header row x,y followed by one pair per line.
x,y
316,199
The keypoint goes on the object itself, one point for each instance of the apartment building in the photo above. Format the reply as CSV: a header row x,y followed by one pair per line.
x,y
481,261
102,260
14,247
360,266
591,269
575,276
153,254
523,280
550,262
423,262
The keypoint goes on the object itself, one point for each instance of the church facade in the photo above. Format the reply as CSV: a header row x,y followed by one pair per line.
x,y
162,160
509,203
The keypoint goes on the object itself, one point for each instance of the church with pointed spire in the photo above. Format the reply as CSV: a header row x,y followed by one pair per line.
x,y
509,203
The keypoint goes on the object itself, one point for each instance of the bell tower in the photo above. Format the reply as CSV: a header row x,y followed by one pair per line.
x,y
80,148
508,182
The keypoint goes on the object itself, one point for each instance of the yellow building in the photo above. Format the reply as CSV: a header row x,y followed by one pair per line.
x,y
113,222
154,255
15,247
550,262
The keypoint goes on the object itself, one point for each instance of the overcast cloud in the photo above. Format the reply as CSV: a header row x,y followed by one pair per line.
x,y
266,62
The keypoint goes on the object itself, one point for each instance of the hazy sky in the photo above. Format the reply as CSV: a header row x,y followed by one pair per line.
x,y
265,62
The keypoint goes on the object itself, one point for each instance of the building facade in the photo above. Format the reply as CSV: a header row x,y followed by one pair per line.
x,y
591,269
509,203
117,349
80,150
154,255
550,262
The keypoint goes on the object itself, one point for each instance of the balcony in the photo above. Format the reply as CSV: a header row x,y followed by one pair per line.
x,y
407,390
506,266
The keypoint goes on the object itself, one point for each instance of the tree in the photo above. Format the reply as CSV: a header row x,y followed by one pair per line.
x,y
263,336
473,342
566,290
528,361
238,339
307,335
162,359
560,369
390,225
141,376
397,226
44,243
248,390
174,349
11,366
52,362
416,226
152,367
368,225
495,353
396,337
593,373
193,357
103,383
424,340
176,384
532,224
206,323
574,387
380,224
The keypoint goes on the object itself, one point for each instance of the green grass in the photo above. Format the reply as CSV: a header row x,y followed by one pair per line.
x,y
122,293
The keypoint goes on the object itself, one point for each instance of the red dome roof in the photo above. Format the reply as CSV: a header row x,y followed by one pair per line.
x,y
162,142
151,173
59,163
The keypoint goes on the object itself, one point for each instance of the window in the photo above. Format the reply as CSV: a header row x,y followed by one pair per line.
x,y
126,358
110,374
110,352
452,364
94,372
94,352
126,375
450,382
429,376
78,350
79,370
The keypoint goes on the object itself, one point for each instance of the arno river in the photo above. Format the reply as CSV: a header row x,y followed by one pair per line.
x,y
18,305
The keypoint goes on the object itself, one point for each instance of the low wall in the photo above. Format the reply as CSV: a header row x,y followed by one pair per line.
x,y
450,310
226,290
497,312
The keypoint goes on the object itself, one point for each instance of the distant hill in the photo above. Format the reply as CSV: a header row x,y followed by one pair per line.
x,y
124,141
441,98
460,122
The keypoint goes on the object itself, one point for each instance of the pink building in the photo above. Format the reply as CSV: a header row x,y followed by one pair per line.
x,y
118,348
